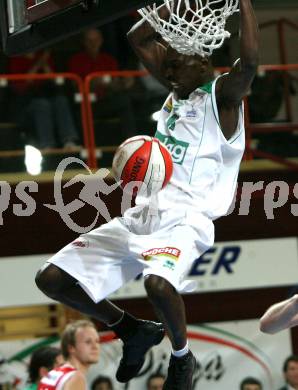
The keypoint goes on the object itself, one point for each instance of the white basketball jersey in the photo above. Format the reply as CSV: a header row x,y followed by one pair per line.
x,y
206,165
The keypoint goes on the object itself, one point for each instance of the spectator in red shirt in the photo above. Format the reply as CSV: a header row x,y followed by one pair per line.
x,y
112,93
92,59
40,105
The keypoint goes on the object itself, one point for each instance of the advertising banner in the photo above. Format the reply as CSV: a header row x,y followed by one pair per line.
x,y
226,266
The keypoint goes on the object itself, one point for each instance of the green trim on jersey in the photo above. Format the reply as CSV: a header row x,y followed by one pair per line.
x,y
195,159
171,121
32,386
207,87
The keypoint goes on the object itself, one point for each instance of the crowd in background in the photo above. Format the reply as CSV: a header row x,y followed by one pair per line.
x,y
80,349
44,110
46,113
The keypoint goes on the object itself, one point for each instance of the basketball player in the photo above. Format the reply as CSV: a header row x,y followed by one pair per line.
x,y
202,124
80,348
280,316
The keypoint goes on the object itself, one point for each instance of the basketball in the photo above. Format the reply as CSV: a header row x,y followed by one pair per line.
x,y
142,159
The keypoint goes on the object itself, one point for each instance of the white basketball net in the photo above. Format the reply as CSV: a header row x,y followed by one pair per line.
x,y
193,26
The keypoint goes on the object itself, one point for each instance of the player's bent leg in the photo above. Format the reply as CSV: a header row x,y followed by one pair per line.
x,y
52,280
170,308
62,287
138,336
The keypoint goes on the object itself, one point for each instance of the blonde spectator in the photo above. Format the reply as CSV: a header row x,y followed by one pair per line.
x,y
80,348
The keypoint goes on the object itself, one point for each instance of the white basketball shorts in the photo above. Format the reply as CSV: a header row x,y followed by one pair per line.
x,y
108,257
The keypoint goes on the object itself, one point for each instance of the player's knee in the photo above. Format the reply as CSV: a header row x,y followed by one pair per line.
x,y
49,280
157,287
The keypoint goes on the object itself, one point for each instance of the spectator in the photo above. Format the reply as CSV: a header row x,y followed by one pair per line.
x,y
102,383
267,90
40,105
251,383
80,348
155,382
112,94
92,58
42,361
290,370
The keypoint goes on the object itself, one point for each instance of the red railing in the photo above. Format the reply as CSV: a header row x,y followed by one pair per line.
x,y
89,108
85,90
283,54
56,76
289,126
251,128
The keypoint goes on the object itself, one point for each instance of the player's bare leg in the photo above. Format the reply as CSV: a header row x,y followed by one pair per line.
x,y
169,307
137,335
60,286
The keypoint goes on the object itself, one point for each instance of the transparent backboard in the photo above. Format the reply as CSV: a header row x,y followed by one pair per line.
x,y
23,12
27,25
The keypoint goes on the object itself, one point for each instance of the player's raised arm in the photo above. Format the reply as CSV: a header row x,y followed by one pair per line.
x,y
149,46
282,315
232,88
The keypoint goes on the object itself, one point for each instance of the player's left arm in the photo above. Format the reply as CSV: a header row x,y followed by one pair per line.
x,y
282,315
232,87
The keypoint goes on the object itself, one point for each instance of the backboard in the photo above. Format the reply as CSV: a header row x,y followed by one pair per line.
x,y
27,25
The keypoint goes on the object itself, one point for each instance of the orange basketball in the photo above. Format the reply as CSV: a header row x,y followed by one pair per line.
x,y
145,160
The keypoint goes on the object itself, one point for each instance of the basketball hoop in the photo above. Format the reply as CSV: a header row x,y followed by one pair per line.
x,y
193,26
